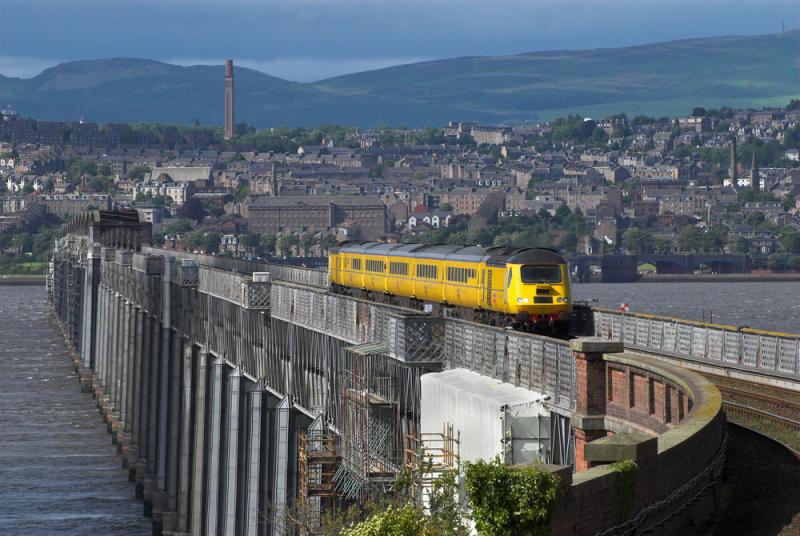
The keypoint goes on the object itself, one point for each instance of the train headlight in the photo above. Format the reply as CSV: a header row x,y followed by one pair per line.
x,y
522,300
566,300
560,300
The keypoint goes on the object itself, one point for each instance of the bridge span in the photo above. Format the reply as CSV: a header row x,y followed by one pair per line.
x,y
240,394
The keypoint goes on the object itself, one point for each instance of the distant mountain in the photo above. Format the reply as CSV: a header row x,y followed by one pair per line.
x,y
658,79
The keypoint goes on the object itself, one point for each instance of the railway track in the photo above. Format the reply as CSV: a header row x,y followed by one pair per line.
x,y
770,411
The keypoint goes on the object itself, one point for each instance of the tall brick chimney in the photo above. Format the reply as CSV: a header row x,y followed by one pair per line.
x,y
228,99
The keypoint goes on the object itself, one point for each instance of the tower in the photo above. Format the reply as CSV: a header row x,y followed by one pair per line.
x,y
732,171
228,99
755,179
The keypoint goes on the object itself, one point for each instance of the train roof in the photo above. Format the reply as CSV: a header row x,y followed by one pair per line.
x,y
494,256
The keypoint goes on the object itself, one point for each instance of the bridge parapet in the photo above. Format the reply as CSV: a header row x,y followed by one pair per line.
x,y
531,361
235,288
764,352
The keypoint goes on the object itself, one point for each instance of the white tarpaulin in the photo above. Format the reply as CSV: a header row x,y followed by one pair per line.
x,y
492,417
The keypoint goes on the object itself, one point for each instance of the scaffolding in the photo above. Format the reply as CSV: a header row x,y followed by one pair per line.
x,y
370,424
429,455
318,459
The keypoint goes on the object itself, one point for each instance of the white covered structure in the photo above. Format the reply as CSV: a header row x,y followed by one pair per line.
x,y
493,418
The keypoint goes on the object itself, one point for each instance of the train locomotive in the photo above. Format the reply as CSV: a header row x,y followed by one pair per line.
x,y
527,288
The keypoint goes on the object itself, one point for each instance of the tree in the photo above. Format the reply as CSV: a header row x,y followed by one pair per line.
x,y
754,219
267,244
691,240
192,209
22,242
789,240
789,202
738,244
508,500
28,188
138,172
568,242
405,520
638,240
179,226
446,207
327,242
307,241
287,243
698,112
251,241
205,241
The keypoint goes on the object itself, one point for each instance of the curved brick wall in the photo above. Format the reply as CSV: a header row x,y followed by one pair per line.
x,y
668,419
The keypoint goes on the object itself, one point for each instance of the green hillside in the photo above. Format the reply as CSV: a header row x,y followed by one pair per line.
x,y
660,79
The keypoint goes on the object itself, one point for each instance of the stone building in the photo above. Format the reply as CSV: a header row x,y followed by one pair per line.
x,y
366,214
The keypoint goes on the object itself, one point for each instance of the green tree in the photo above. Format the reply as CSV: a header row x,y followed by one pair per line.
x,y
754,219
738,244
251,241
691,240
138,172
27,189
179,226
267,244
22,242
406,520
789,240
327,242
789,202
509,500
638,240
307,241
287,243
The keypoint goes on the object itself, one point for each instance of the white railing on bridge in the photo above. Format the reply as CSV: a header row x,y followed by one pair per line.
x,y
776,354
297,274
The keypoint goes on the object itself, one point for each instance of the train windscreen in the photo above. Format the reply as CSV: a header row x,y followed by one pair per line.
x,y
540,273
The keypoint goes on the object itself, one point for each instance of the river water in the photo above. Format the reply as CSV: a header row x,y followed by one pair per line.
x,y
767,305
59,472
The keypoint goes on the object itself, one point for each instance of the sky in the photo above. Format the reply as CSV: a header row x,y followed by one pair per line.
x,y
307,40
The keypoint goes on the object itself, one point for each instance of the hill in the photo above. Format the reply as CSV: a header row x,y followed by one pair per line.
x,y
657,79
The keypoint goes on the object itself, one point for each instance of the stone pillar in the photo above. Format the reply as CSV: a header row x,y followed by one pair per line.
x,y
253,461
143,414
213,448
152,416
159,498
173,433
185,477
199,460
590,392
231,454
280,495
136,394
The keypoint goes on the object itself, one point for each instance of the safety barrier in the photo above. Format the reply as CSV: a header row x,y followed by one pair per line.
x,y
776,354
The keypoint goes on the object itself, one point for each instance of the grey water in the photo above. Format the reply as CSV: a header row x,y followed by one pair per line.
x,y
765,305
59,472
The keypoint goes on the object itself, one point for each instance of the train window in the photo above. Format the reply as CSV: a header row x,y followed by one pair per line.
x,y
356,264
398,268
462,275
540,273
427,271
374,266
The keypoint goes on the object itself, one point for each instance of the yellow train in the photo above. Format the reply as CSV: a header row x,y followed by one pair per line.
x,y
525,287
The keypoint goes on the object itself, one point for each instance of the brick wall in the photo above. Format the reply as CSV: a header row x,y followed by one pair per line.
x,y
679,407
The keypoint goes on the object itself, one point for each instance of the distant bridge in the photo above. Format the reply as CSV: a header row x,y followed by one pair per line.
x,y
620,268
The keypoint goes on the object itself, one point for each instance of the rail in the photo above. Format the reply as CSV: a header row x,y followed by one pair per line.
x,y
764,352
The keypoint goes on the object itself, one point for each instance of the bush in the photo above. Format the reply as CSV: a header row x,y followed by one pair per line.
x,y
509,500
394,521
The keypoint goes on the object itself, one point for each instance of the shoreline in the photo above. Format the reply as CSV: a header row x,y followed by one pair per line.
x,y
12,280
722,278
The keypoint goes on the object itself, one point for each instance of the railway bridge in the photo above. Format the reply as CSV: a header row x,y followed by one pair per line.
x,y
244,398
